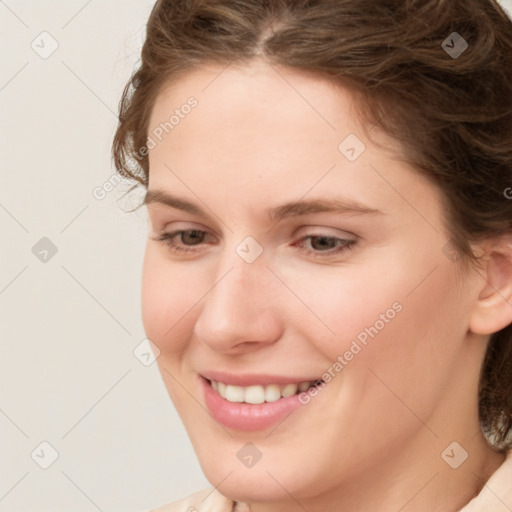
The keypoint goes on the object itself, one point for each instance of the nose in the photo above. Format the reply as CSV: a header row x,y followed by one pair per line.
x,y
241,310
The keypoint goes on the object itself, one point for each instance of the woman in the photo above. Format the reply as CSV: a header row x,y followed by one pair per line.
x,y
328,273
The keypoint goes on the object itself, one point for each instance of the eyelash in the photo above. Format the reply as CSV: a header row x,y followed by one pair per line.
x,y
168,240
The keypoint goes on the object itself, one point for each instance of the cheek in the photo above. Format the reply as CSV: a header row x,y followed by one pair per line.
x,y
168,297
344,305
408,325
398,344
414,355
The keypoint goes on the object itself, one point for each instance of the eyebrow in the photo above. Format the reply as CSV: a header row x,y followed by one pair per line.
x,y
291,209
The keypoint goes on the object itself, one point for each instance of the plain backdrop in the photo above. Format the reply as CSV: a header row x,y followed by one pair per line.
x,y
70,321
85,421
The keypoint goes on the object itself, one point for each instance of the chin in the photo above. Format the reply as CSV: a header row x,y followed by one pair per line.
x,y
257,487
272,478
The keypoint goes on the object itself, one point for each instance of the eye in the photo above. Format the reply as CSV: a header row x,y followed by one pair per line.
x,y
185,240
188,238
324,245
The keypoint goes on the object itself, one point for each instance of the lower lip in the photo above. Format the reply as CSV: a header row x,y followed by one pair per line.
x,y
244,416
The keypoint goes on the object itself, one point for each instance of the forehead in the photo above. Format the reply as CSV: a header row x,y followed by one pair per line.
x,y
271,130
254,84
250,117
255,103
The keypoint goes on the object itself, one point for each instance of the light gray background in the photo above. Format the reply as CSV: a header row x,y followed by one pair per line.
x,y
69,325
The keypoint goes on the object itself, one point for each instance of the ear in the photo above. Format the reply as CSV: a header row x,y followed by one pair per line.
x,y
492,310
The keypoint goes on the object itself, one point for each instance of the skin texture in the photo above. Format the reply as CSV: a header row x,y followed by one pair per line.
x,y
372,439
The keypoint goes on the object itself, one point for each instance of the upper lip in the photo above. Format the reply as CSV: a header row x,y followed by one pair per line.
x,y
254,379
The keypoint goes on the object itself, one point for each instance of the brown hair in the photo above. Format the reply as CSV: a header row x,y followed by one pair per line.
x,y
451,113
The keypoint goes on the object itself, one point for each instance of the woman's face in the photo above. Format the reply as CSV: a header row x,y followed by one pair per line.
x,y
304,255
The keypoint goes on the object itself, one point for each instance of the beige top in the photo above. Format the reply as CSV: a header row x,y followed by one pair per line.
x,y
496,496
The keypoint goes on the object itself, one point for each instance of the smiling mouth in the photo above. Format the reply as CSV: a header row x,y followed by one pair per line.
x,y
258,394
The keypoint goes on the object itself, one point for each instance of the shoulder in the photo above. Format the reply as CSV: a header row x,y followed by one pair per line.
x,y
496,494
206,500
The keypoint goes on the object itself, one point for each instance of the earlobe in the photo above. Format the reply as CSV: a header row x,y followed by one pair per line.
x,y
492,310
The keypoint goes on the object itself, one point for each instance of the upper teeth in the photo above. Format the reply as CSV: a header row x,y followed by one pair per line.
x,y
258,394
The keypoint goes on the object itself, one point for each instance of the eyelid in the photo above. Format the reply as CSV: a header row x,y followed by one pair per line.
x,y
325,231
319,231
172,226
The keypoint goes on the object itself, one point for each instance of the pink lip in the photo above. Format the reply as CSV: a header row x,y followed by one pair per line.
x,y
243,416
